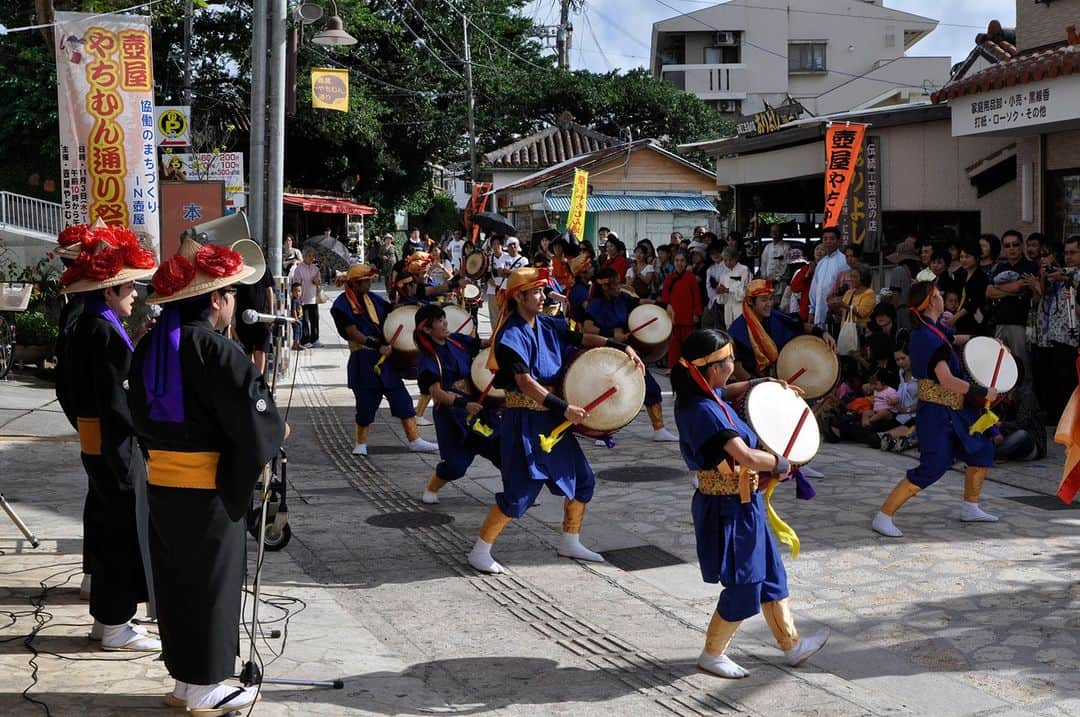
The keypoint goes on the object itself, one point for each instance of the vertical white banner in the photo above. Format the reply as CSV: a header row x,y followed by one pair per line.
x,y
105,92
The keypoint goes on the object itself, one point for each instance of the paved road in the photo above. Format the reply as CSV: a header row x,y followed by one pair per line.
x,y
951,620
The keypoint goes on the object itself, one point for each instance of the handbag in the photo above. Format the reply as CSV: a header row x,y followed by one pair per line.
x,y
848,340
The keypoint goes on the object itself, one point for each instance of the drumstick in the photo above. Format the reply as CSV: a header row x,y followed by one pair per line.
x,y
463,325
795,375
379,363
997,366
639,328
548,442
797,431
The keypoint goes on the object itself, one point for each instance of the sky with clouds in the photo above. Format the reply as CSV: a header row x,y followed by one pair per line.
x,y
623,28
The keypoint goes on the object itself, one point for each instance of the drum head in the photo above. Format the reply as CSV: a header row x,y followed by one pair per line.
x,y
475,264
594,371
401,316
471,292
811,362
481,377
981,357
458,320
773,412
654,322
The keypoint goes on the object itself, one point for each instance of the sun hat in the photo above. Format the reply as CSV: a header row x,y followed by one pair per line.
x,y
197,269
106,256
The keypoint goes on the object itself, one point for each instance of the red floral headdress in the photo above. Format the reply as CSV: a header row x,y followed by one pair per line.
x,y
104,252
179,271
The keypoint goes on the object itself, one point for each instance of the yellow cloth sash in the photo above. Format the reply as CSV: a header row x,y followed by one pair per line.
x,y
180,469
742,482
89,435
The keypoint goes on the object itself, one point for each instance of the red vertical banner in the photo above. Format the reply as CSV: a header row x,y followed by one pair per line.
x,y
481,194
842,145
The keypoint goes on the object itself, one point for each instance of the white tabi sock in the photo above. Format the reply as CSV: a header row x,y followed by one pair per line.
x,y
972,513
208,699
128,638
884,524
570,547
480,558
722,665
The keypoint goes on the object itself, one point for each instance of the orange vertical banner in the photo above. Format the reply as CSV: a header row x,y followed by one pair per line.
x,y
842,145
481,194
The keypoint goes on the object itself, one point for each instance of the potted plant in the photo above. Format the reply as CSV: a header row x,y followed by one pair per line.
x,y
35,337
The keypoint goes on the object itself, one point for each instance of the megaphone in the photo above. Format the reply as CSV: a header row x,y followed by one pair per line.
x,y
232,230
253,256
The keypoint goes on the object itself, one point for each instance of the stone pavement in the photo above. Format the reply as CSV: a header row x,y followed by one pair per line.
x,y
952,619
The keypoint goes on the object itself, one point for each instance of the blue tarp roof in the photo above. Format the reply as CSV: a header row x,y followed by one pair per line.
x,y
600,202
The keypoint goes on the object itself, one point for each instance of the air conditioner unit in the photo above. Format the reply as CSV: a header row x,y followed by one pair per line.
x,y
731,106
726,38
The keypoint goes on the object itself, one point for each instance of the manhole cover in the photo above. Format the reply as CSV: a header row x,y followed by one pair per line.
x,y
411,519
641,557
1046,502
646,473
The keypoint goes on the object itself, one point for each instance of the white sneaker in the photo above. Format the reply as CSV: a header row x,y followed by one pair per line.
x,y
217,700
570,547
480,558
722,665
423,421
97,630
421,446
360,449
806,647
429,498
125,638
972,513
884,524
663,435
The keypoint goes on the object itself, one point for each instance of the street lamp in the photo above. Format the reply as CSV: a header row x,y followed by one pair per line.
x,y
333,35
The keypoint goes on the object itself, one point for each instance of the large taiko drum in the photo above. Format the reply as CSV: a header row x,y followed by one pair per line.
x,y
481,377
590,374
459,320
782,420
990,364
809,363
398,332
475,266
650,331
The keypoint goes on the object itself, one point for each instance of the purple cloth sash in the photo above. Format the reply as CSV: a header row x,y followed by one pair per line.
x,y
96,306
162,374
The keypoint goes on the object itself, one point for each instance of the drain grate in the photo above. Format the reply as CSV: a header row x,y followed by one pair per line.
x,y
642,557
647,473
1045,502
409,519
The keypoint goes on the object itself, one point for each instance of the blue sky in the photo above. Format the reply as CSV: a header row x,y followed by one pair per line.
x,y
623,27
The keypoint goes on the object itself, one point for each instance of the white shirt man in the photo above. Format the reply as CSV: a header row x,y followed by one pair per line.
x,y
827,275
774,257
725,284
455,248
502,265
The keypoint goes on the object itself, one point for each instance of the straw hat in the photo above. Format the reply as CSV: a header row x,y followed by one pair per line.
x,y
524,279
106,256
579,263
198,269
417,262
356,272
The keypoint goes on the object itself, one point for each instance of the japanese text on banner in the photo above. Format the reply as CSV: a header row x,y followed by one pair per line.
x,y
575,217
108,151
330,89
842,145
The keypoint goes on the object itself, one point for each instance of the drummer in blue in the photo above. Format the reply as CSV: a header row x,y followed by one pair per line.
x,y
528,361
464,428
359,315
608,314
734,545
950,419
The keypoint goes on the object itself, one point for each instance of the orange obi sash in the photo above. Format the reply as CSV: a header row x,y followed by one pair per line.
x,y
181,469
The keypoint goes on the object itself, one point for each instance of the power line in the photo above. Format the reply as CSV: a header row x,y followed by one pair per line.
x,y
498,44
588,24
421,41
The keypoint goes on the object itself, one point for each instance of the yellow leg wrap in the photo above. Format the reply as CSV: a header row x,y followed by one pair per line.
x,y
902,493
573,513
973,483
656,415
782,623
783,532
494,523
422,403
361,434
719,634
434,483
411,431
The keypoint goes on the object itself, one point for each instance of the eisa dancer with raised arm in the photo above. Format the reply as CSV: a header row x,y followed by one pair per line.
x,y
735,546
465,429
92,387
528,361
208,426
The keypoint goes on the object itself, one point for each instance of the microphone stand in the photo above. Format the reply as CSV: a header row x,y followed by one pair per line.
x,y
27,533
250,673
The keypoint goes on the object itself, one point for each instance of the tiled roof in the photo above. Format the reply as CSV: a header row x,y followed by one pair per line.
x,y
1049,62
549,147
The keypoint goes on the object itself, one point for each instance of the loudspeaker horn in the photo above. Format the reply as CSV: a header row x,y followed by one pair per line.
x,y
225,231
253,256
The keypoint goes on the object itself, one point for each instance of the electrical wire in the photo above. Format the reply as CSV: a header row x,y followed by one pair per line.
x,y
26,28
423,43
592,33
498,44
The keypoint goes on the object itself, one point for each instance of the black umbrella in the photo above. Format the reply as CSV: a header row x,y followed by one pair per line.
x,y
494,223
549,234
329,252
571,245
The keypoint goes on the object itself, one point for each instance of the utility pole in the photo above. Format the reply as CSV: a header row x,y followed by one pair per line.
x,y
565,35
189,13
470,100
275,139
257,150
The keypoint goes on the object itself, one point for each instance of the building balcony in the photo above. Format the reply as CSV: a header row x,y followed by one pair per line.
x,y
709,82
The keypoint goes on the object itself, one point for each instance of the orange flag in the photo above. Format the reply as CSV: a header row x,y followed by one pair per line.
x,y
1068,435
843,142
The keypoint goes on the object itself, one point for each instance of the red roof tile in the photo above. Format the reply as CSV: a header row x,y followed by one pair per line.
x,y
1055,61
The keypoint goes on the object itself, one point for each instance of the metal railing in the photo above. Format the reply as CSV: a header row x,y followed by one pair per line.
x,y
22,212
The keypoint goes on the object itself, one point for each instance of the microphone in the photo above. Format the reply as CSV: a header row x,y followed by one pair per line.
x,y
251,316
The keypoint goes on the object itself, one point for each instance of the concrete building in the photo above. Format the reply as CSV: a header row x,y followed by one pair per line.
x,y
829,55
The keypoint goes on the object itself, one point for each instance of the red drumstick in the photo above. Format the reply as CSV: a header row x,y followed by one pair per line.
x,y
997,366
463,325
639,328
798,430
795,375
601,398
394,338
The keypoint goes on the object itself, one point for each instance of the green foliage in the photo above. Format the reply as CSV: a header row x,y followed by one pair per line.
x,y
44,275
33,328
441,216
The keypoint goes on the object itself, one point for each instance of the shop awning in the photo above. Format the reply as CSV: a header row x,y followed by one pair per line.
x,y
326,205
601,202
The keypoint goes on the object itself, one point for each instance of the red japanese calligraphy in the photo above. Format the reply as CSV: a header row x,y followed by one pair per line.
x,y
105,158
842,145
135,59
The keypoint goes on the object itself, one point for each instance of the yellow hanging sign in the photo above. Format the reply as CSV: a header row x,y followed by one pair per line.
x,y
330,89
575,218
